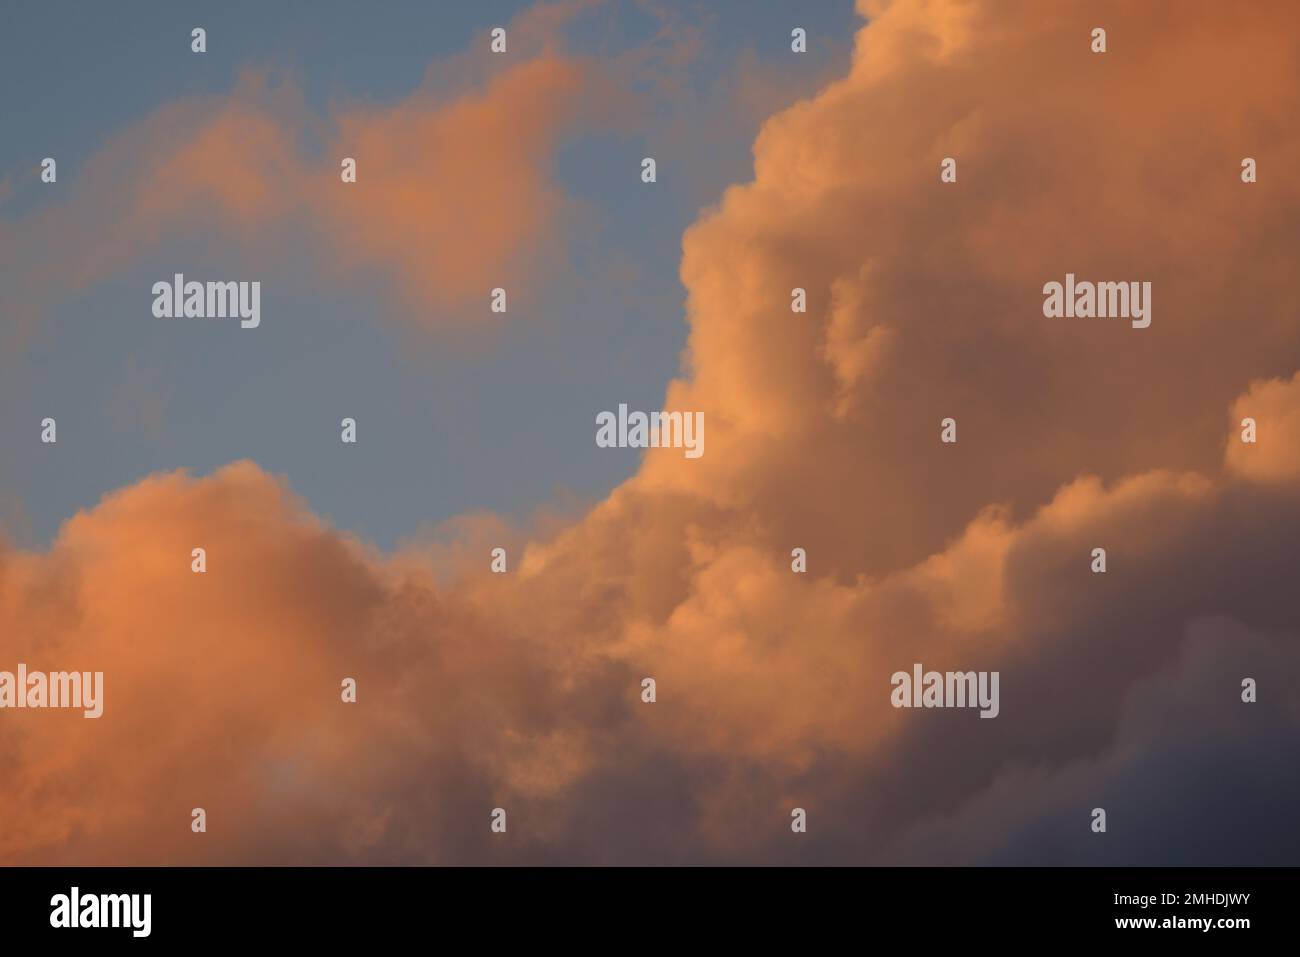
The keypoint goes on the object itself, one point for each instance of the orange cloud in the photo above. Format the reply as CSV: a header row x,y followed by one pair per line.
x,y
1274,454
454,193
222,689
453,199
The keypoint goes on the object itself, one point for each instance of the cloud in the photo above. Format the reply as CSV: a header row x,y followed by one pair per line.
x,y
925,297
1184,732
454,200
522,690
454,193
222,690
1274,457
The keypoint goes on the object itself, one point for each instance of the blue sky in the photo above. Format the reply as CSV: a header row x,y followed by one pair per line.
x,y
503,422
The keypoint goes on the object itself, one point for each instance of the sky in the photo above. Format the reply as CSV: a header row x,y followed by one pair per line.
x,y
446,423
830,536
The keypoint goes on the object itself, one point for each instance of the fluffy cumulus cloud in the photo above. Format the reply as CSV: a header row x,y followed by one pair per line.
x,y
1119,690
